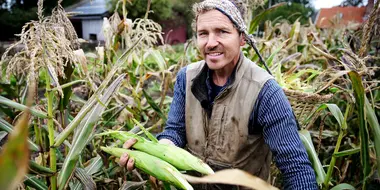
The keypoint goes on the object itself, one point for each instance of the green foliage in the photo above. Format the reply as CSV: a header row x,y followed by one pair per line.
x,y
291,12
161,9
14,155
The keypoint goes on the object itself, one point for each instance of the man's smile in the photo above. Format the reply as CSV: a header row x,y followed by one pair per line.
x,y
214,54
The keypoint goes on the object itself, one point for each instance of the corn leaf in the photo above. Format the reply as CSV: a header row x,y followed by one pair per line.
x,y
359,94
343,186
92,100
290,57
302,72
33,181
96,165
158,58
155,107
87,182
74,123
21,107
3,134
15,155
295,31
65,142
349,152
232,177
374,124
260,17
132,185
84,134
313,156
335,111
147,133
271,57
4,125
38,169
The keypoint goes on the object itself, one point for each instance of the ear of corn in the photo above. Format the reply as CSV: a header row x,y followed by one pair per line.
x,y
153,166
178,157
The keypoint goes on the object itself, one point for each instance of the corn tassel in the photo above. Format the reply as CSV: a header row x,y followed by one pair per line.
x,y
178,157
153,166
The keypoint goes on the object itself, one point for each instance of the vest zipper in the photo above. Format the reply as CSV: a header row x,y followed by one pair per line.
x,y
206,120
222,126
220,94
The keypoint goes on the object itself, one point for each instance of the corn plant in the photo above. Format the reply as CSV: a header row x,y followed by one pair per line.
x,y
127,84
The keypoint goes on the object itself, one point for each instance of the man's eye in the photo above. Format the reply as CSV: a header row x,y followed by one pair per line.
x,y
223,31
202,34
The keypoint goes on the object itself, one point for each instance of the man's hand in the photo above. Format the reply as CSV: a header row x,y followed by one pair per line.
x,y
129,162
124,159
166,141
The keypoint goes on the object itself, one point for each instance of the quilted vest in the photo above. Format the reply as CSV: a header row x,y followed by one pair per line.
x,y
218,133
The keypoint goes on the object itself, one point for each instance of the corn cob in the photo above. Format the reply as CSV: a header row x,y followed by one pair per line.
x,y
178,157
153,166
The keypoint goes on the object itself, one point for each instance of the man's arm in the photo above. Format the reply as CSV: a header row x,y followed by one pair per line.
x,y
275,115
175,130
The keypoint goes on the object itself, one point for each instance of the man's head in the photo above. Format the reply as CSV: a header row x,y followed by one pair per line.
x,y
220,30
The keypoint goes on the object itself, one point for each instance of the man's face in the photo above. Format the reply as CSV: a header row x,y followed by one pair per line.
x,y
218,40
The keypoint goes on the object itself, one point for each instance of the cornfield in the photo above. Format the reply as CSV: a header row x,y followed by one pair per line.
x,y
56,100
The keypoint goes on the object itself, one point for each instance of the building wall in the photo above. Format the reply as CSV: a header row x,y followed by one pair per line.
x,y
174,30
92,27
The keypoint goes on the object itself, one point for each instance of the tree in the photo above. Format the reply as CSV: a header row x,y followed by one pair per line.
x,y
293,10
354,3
161,9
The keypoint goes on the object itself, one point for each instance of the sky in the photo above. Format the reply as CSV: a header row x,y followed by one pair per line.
x,y
327,3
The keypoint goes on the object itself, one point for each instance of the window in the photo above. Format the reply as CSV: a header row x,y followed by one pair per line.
x,y
93,37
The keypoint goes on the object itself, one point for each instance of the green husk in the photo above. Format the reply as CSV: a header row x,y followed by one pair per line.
x,y
178,157
153,166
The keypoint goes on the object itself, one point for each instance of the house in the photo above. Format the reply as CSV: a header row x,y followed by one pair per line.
x,y
88,22
340,16
343,16
174,31
88,18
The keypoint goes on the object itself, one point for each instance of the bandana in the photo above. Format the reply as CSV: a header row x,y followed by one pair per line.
x,y
227,8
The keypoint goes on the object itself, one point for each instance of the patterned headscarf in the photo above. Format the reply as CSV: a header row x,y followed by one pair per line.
x,y
231,10
227,8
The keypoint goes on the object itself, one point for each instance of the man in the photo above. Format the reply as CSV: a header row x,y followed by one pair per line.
x,y
230,112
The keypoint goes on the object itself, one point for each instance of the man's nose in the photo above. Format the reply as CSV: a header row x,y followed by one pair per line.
x,y
212,41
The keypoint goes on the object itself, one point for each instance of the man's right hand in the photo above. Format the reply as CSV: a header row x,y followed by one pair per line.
x,y
129,162
124,159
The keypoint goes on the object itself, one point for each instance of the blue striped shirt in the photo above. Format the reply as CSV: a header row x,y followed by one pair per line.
x,y
273,114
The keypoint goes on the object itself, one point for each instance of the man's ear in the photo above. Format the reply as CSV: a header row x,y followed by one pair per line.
x,y
242,40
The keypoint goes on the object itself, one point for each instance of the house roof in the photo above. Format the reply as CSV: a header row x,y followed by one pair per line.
x,y
339,16
89,8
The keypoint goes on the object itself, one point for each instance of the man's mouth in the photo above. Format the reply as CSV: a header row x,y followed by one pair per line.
x,y
214,54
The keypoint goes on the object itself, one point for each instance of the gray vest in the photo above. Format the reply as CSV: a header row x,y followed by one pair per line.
x,y
219,135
